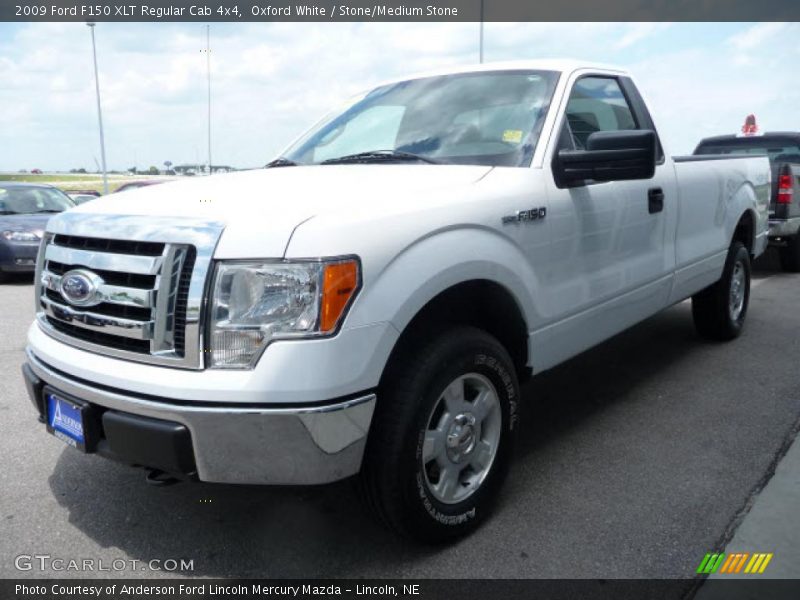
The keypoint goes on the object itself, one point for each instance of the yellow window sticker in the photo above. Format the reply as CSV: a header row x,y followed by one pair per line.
x,y
512,135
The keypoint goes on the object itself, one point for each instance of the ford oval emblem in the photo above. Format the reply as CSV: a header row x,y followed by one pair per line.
x,y
79,287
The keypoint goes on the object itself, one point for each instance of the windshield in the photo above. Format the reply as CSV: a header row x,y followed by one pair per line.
x,y
29,200
486,118
780,150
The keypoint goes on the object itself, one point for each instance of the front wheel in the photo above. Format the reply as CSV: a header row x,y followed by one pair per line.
x,y
720,309
442,435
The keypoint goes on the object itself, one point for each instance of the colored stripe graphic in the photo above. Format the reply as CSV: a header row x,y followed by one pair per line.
x,y
764,564
728,566
710,563
734,563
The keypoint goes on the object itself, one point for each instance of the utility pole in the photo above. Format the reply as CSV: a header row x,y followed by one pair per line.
x,y
480,47
208,72
99,111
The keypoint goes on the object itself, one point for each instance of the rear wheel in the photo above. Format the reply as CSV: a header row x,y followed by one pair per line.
x,y
442,435
720,309
790,255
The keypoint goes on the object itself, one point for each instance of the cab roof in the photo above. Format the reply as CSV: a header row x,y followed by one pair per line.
x,y
721,139
560,65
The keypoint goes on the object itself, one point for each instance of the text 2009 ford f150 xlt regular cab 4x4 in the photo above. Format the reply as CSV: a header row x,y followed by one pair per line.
x,y
369,303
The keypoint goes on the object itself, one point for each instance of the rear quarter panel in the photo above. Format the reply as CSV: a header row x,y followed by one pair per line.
x,y
713,197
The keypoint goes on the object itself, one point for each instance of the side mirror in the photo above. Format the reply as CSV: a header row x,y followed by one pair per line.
x,y
609,156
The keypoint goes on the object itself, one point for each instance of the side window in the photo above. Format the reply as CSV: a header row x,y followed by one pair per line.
x,y
597,104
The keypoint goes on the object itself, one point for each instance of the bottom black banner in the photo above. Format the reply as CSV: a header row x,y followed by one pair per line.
x,y
429,589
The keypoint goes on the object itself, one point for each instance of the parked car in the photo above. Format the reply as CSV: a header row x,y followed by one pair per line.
x,y
36,171
783,151
81,198
24,211
71,193
372,309
132,185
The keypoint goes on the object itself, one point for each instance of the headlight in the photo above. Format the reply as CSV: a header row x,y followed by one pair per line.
x,y
254,303
21,236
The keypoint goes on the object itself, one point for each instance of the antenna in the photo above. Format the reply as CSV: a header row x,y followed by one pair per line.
x,y
208,71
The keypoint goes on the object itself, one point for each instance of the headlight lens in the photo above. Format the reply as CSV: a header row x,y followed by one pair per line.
x,y
255,303
21,236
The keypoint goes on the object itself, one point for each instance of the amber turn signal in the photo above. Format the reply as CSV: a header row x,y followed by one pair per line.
x,y
339,284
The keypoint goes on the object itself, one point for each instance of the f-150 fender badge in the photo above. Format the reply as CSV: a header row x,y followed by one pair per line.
x,y
532,214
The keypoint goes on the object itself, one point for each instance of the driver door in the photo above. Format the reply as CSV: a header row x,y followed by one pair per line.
x,y
608,262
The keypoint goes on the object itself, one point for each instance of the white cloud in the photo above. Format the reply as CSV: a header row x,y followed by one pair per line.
x,y
271,80
756,35
748,47
639,32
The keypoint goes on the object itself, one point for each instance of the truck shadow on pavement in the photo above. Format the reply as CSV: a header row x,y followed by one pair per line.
x,y
246,531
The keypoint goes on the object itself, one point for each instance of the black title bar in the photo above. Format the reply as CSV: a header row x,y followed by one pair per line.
x,y
397,10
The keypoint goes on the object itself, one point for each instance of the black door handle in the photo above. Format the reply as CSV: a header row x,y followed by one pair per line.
x,y
655,200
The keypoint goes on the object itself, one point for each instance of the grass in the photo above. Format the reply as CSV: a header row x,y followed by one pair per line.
x,y
74,181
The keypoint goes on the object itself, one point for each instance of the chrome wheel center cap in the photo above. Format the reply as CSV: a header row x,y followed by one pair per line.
x,y
461,437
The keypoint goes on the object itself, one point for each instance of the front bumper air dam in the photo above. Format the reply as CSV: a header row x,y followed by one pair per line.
x,y
241,444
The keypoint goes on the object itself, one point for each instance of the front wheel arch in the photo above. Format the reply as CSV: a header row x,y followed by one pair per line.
x,y
480,303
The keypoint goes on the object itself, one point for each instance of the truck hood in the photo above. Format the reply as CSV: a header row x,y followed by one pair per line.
x,y
265,205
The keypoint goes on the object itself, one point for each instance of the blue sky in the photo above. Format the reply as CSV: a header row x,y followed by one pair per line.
x,y
272,80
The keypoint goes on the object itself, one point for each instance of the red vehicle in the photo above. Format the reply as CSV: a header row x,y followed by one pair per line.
x,y
36,171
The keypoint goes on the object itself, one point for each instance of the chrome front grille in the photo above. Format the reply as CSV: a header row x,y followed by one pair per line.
x,y
136,312
145,295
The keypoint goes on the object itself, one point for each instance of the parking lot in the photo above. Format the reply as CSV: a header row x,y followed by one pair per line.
x,y
635,459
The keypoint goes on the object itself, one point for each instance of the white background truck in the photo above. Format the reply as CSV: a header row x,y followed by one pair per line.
x,y
369,304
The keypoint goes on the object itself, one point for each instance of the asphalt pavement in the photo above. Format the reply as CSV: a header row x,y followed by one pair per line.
x,y
768,540
635,459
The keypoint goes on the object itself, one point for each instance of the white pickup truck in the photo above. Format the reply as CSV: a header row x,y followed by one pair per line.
x,y
369,303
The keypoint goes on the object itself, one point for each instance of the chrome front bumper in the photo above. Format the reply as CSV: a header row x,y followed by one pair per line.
x,y
248,445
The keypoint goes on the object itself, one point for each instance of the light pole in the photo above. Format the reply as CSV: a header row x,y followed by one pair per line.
x,y
99,111
480,46
208,73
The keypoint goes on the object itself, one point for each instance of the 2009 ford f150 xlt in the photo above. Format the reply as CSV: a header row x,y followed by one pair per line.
x,y
369,303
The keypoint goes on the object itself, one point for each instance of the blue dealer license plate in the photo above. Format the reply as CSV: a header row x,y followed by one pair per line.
x,y
65,420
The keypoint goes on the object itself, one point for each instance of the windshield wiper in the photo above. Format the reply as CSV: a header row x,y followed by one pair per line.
x,y
379,156
281,161
8,212
47,210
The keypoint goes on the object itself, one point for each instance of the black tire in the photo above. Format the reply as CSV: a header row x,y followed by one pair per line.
x,y
393,479
714,318
790,255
